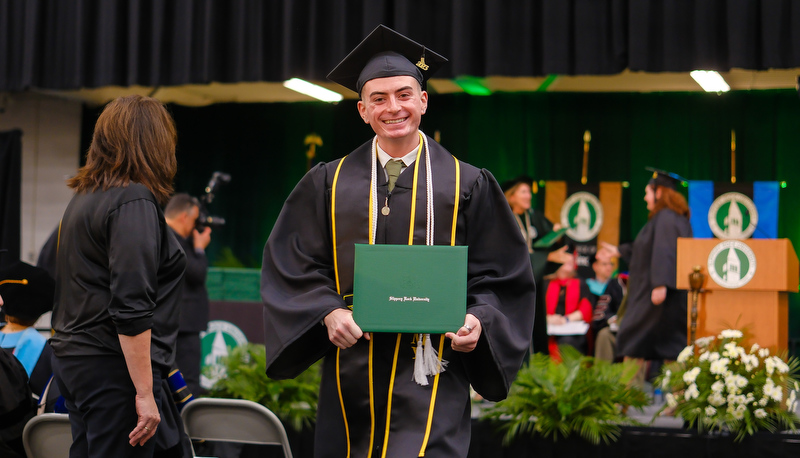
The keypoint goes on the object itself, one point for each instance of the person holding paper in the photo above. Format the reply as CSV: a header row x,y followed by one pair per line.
x,y
568,302
372,402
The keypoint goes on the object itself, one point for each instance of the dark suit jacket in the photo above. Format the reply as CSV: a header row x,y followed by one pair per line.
x,y
194,298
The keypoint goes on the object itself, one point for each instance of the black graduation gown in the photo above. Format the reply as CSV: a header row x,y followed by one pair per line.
x,y
541,267
654,331
299,287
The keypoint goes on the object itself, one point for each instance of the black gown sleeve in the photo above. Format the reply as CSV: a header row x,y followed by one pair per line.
x,y
500,290
298,285
626,252
196,265
663,259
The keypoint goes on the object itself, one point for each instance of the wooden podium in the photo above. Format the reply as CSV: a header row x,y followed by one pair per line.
x,y
760,306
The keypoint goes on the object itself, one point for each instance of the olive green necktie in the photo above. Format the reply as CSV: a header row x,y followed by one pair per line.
x,y
393,168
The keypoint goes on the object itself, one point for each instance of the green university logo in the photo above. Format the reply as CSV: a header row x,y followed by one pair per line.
x,y
732,264
582,215
733,216
216,343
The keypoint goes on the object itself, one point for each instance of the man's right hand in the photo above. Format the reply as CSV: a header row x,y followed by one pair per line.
x,y
201,239
342,329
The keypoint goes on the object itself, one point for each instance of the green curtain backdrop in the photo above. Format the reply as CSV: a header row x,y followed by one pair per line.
x,y
541,134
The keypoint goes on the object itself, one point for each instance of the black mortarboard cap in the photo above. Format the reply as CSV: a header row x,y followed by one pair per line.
x,y
382,54
664,178
508,184
27,291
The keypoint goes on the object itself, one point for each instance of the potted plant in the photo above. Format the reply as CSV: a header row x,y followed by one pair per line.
x,y
579,396
294,401
719,385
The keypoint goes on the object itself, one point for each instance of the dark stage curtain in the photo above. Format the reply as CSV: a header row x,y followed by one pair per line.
x,y
60,44
10,188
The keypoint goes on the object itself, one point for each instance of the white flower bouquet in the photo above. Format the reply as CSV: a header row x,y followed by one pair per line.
x,y
717,384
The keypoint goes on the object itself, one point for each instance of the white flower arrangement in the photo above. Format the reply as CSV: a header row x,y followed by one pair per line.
x,y
718,384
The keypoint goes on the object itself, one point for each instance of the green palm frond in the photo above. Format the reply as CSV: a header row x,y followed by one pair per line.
x,y
294,401
579,395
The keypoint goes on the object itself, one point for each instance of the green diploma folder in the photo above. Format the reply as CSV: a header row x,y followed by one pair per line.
x,y
410,288
549,239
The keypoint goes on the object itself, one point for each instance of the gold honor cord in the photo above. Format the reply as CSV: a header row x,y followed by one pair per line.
x,y
339,292
391,392
455,207
414,192
24,281
371,404
397,345
341,400
433,401
441,337
333,226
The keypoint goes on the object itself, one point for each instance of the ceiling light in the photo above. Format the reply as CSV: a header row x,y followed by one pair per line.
x,y
710,81
312,90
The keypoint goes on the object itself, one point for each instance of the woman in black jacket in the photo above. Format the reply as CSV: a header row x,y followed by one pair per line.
x,y
118,275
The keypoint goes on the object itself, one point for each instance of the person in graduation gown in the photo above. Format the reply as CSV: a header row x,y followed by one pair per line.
x,y
533,226
654,326
119,272
28,293
371,402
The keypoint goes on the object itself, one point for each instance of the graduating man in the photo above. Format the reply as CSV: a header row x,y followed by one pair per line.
x,y
400,187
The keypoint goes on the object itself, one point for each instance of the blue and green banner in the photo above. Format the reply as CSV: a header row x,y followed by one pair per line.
x,y
734,211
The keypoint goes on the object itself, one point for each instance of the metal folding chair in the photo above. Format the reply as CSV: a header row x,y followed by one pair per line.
x,y
234,420
48,435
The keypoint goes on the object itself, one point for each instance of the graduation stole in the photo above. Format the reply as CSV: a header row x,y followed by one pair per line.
x,y
428,361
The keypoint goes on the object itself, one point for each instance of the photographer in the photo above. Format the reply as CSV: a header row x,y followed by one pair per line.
x,y
181,214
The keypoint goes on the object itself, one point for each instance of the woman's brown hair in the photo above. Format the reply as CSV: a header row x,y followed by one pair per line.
x,y
133,142
670,199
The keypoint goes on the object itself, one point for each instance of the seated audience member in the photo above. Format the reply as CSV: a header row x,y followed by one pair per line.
x,y
567,299
607,294
16,404
27,293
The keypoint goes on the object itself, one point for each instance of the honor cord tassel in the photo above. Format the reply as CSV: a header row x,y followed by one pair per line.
x,y
420,375
432,364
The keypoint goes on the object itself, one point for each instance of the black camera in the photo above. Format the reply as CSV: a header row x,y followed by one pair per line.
x,y
204,219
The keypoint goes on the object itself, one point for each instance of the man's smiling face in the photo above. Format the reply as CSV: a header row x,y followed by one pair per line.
x,y
393,106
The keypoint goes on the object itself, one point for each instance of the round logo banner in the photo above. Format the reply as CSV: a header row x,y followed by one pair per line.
x,y
733,215
220,338
732,264
582,215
